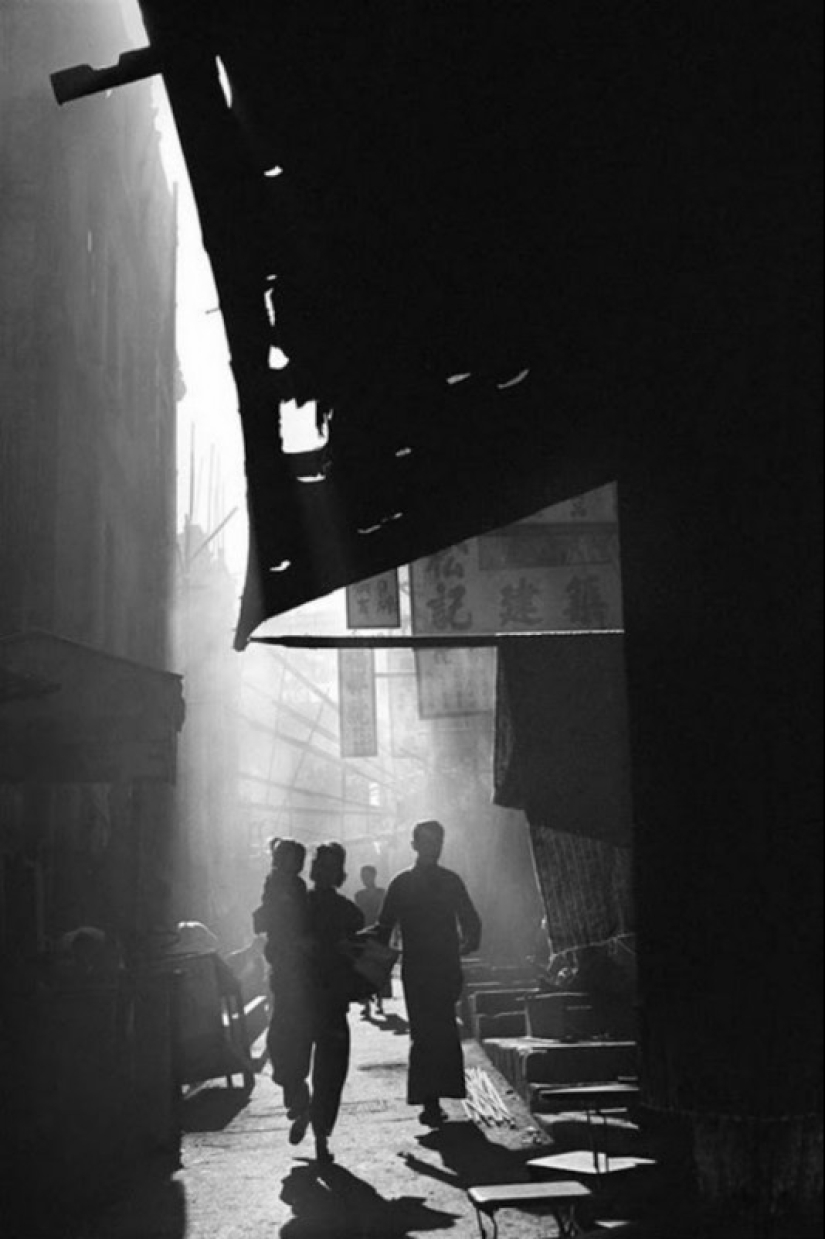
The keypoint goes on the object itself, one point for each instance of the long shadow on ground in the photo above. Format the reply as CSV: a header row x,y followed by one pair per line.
x,y
333,1203
386,1022
391,1023
469,1158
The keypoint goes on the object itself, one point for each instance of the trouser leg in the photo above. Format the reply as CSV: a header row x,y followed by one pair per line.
x,y
289,1041
329,1070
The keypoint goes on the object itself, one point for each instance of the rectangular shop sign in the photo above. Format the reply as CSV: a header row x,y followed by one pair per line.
x,y
409,735
455,681
357,706
375,603
556,572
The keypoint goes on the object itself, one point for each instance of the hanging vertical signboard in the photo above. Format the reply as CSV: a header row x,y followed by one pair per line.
x,y
357,706
455,681
375,603
409,735
450,681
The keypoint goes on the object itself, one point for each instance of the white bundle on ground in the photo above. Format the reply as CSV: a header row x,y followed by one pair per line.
x,y
484,1103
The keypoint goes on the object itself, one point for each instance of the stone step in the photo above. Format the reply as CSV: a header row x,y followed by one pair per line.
x,y
600,1095
529,1060
614,1136
573,1015
498,1001
473,989
504,1024
547,1013
497,1012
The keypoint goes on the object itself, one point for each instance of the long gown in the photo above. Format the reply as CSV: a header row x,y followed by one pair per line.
x,y
430,903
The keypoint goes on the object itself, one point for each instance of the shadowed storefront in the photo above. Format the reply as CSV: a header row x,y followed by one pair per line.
x,y
87,748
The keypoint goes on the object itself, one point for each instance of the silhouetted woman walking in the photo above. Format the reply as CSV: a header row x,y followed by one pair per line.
x,y
333,922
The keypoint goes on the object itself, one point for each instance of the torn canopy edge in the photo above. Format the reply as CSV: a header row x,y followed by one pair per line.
x,y
414,463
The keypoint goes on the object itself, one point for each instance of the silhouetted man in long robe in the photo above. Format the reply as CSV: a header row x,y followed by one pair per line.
x,y
431,906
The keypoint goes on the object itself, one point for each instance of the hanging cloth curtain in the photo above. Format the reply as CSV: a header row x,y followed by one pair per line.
x,y
561,755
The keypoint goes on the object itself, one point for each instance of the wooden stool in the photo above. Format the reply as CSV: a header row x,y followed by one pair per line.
x,y
558,1199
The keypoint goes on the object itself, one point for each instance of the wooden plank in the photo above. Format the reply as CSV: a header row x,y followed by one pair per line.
x,y
516,1195
433,641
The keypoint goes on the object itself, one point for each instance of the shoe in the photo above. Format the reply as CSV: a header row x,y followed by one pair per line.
x,y
298,1101
432,1115
299,1128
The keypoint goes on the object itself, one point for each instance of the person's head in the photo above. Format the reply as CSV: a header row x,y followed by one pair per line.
x,y
368,875
428,841
288,856
328,863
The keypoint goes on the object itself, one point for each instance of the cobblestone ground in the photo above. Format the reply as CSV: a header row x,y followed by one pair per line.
x,y
391,1179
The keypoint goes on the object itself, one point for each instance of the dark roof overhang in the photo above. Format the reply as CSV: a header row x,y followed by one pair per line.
x,y
491,239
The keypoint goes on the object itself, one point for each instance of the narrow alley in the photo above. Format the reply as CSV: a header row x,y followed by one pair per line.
x,y
392,1178
410,453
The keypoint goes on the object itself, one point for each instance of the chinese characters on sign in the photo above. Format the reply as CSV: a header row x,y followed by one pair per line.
x,y
357,703
374,603
556,572
445,600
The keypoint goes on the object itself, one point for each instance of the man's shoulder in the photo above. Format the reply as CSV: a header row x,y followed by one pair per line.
x,y
449,876
401,877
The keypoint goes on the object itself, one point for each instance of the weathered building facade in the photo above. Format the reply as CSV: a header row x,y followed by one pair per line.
x,y
87,465
87,357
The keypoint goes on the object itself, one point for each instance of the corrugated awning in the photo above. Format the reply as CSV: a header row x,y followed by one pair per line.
x,y
468,235
378,204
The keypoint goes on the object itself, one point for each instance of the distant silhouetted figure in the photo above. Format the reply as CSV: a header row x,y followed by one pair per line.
x,y
283,916
431,904
334,921
369,900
